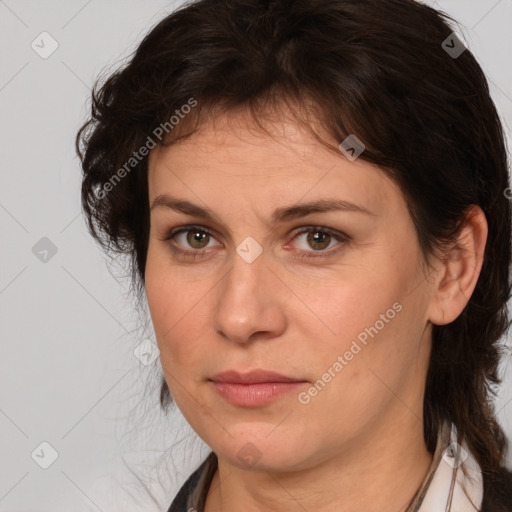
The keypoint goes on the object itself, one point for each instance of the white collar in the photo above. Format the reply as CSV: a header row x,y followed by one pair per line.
x,y
457,483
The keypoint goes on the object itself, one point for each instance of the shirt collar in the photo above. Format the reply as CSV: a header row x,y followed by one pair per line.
x,y
454,482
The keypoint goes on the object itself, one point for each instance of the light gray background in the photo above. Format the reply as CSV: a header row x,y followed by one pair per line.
x,y
68,374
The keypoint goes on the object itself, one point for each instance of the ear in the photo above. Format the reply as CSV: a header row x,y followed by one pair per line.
x,y
458,271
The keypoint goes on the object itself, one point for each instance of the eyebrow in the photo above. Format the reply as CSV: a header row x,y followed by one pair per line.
x,y
278,215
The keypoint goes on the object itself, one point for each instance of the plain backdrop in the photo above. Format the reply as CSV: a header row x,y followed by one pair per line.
x,y
74,398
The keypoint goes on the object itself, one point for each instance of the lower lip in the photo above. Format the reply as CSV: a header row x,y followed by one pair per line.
x,y
254,395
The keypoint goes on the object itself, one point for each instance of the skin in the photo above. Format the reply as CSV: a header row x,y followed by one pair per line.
x,y
358,444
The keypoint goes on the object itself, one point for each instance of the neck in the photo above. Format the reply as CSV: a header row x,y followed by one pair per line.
x,y
380,471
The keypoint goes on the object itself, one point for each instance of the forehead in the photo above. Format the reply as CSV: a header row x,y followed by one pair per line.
x,y
225,132
232,153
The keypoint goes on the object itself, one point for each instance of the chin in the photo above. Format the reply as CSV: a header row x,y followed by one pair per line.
x,y
258,450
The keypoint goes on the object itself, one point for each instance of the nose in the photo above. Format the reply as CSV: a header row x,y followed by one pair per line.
x,y
251,302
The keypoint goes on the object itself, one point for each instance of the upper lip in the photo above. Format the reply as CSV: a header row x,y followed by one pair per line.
x,y
252,377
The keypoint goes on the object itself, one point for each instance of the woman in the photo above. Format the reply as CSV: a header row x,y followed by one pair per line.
x,y
313,197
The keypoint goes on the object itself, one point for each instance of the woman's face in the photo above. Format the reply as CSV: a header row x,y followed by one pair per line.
x,y
336,299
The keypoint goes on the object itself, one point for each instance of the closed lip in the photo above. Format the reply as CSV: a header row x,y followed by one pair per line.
x,y
252,377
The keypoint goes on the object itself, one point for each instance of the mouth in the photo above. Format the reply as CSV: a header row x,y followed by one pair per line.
x,y
255,388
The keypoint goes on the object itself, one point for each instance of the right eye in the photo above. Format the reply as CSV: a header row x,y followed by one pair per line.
x,y
193,236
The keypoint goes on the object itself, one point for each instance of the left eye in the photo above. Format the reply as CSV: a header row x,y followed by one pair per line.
x,y
318,239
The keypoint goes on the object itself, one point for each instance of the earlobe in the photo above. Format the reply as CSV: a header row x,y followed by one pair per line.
x,y
459,269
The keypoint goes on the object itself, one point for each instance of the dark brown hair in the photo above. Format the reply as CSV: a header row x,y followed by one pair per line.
x,y
374,68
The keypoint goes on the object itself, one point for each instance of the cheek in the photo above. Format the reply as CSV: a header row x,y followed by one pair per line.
x,y
369,317
157,292
378,350
348,300
371,366
177,337
177,312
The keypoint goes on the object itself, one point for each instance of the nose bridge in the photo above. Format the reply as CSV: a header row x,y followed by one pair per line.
x,y
245,280
245,305
248,266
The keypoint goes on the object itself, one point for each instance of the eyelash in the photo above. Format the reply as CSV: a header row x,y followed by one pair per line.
x,y
340,237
